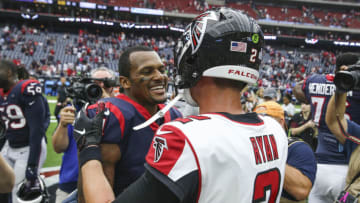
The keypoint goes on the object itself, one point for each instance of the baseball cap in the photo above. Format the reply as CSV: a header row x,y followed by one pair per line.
x,y
270,92
270,108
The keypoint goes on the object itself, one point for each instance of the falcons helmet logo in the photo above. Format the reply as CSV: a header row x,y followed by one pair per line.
x,y
159,145
198,29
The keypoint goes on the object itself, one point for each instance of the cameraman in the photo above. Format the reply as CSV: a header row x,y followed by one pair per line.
x,y
63,140
101,73
345,129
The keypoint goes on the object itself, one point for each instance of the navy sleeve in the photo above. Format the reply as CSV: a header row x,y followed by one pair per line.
x,y
302,157
349,146
47,114
113,129
185,189
147,189
35,117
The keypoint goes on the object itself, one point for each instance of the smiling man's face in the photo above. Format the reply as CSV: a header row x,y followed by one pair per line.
x,y
148,78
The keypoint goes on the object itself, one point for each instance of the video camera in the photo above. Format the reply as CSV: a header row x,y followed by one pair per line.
x,y
348,79
84,89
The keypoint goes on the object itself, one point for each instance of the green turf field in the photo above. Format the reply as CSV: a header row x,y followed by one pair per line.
x,y
52,159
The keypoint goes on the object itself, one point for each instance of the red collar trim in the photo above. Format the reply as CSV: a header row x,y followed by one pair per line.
x,y
143,111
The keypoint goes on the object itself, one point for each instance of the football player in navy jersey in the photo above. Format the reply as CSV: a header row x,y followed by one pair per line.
x,y
222,155
331,160
143,77
23,109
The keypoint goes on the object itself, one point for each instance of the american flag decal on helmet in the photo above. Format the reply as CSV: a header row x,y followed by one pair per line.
x,y
159,145
198,29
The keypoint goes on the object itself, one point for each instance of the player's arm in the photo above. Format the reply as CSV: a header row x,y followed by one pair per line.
x,y
110,154
8,177
146,189
296,183
300,171
35,122
60,139
96,187
336,110
299,93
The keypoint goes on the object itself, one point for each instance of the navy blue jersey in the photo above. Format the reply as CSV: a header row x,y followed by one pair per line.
x,y
353,106
318,90
301,157
350,146
47,113
23,109
122,116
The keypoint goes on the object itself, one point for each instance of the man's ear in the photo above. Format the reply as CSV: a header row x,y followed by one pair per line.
x,y
125,82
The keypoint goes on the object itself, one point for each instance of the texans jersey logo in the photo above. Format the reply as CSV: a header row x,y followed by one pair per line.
x,y
159,145
198,29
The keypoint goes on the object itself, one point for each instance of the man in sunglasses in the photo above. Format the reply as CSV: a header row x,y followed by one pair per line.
x,y
63,140
106,80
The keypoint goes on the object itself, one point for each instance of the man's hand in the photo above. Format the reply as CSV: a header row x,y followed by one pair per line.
x,y
88,132
31,173
67,116
310,124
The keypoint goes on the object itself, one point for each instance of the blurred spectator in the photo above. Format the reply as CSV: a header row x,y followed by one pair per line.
x,y
270,94
302,126
288,107
61,98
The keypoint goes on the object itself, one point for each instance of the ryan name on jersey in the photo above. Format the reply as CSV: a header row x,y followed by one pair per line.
x,y
323,89
265,148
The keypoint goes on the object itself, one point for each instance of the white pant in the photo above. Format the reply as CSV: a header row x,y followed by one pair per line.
x,y
61,195
329,182
17,158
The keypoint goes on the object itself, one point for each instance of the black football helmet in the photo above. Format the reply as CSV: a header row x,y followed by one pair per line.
x,y
222,43
33,193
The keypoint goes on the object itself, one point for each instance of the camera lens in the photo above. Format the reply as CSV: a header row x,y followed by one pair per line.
x,y
344,80
93,92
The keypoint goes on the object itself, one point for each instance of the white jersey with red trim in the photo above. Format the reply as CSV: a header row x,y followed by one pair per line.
x,y
238,158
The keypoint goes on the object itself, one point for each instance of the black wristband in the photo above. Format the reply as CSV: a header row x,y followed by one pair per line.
x,y
88,154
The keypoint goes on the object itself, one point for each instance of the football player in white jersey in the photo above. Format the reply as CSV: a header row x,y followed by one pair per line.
x,y
222,155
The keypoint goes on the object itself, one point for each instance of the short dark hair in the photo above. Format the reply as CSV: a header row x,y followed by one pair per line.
x,y
22,73
124,61
346,59
8,65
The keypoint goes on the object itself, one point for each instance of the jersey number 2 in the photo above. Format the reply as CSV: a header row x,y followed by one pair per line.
x,y
267,181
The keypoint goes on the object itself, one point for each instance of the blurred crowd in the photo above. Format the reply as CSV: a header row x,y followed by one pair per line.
x,y
56,54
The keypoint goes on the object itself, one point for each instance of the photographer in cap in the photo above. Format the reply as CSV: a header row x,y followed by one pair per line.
x,y
63,140
347,132
270,94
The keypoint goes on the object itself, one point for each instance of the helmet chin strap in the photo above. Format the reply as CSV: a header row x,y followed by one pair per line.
x,y
185,94
159,114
